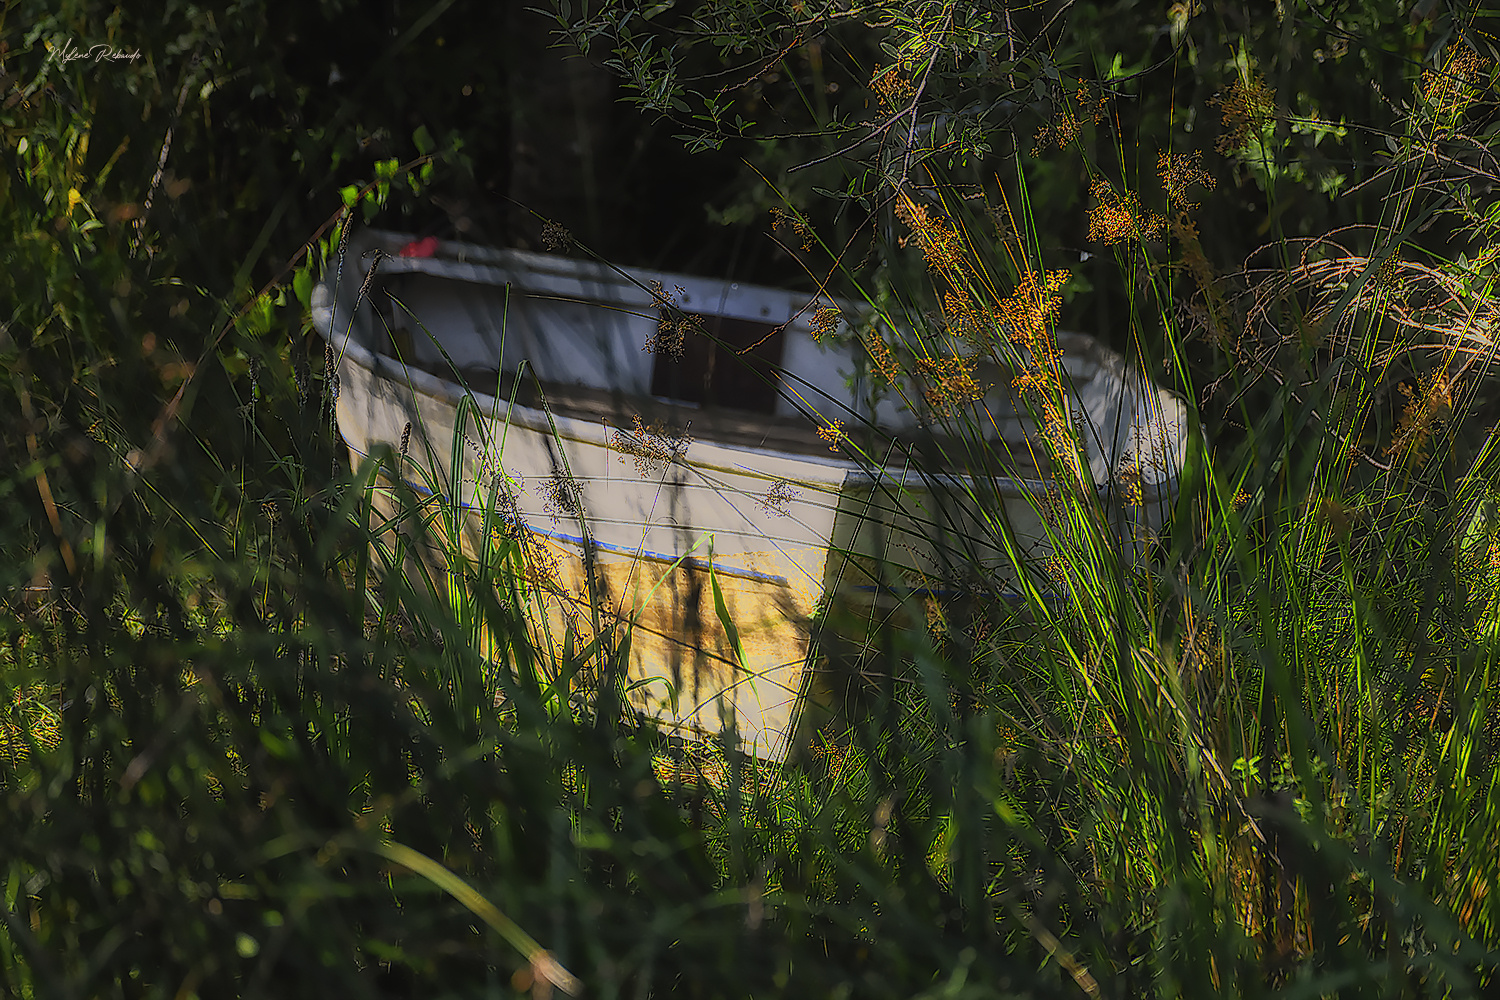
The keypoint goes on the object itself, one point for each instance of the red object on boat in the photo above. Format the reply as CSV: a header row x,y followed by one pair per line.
x,y
425,247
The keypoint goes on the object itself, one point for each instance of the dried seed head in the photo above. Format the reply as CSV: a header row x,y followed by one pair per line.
x,y
344,229
965,320
1247,107
330,375
1029,312
892,86
562,496
1119,216
780,218
950,382
1427,411
1180,171
777,497
1060,438
1388,278
555,238
939,242
542,569
375,256
1449,91
1068,122
672,325
1128,481
833,434
651,448
1211,312
824,322
507,506
405,438
671,335
881,358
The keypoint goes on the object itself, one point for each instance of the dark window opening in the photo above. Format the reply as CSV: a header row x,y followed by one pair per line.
x,y
738,373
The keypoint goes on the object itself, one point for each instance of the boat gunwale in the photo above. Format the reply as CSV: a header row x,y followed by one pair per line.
x,y
843,472
568,428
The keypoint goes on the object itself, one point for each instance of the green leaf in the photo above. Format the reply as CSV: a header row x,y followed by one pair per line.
x,y
722,610
302,285
422,139
541,960
350,195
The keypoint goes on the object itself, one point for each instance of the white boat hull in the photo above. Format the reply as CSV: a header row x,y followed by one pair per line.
x,y
777,530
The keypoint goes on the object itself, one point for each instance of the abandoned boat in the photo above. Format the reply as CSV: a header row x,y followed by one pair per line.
x,y
669,425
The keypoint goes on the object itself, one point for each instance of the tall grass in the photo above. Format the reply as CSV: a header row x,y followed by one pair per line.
x,y
239,757
1272,746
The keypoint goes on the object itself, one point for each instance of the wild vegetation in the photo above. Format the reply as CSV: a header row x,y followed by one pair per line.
x,y
240,755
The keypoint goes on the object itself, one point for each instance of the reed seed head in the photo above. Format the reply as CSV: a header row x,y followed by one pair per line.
x,y
1119,216
562,496
1128,481
542,569
652,448
950,382
507,506
1067,122
824,322
777,497
781,218
1180,171
1247,106
1211,312
1030,311
833,433
671,336
375,256
939,242
1449,91
556,238
881,359
966,319
892,86
345,227
672,326
1428,409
